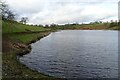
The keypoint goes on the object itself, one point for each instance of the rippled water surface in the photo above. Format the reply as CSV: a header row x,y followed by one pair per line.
x,y
76,53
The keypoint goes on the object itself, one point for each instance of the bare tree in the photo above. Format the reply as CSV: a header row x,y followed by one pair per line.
x,y
5,12
24,20
10,15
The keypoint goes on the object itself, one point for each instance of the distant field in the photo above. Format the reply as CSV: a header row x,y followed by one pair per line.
x,y
92,27
15,27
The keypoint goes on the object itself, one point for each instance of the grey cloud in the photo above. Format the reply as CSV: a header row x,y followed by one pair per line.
x,y
64,11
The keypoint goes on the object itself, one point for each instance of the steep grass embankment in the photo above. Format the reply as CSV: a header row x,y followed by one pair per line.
x,y
16,41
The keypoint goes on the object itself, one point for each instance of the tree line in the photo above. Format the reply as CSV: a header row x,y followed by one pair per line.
x,y
114,23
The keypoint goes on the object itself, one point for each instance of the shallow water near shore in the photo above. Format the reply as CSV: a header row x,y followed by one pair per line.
x,y
75,54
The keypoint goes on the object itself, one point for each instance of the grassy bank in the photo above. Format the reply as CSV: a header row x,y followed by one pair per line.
x,y
11,66
16,41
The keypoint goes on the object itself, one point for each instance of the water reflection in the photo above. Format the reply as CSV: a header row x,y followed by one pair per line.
x,y
76,53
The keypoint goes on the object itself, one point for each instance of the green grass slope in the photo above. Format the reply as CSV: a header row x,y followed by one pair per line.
x,y
13,27
16,38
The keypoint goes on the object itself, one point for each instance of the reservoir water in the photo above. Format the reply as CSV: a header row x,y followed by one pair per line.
x,y
75,54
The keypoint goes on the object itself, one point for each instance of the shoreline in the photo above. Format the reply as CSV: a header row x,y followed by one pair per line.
x,y
28,50
29,45
23,50
16,40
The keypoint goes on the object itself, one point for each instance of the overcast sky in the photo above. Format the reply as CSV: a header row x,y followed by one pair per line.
x,y
65,11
